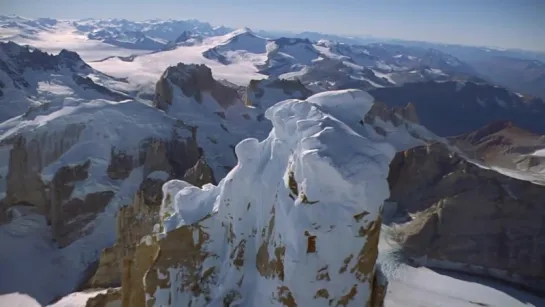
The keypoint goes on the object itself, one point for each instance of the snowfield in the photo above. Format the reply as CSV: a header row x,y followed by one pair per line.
x,y
146,69
64,36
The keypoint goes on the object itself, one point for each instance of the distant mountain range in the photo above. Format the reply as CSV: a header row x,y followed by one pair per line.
x,y
521,71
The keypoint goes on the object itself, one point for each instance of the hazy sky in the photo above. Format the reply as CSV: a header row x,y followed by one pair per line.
x,y
501,23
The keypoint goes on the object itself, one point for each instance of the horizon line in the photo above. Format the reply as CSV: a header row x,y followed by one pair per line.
x,y
345,36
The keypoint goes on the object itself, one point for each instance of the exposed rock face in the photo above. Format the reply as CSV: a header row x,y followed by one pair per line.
x,y
257,89
133,223
199,175
187,38
137,221
505,145
380,287
395,115
452,108
194,81
21,57
498,139
54,197
88,84
215,112
26,158
468,218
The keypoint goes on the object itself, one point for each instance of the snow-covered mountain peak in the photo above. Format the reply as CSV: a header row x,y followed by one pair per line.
x,y
243,30
325,43
28,57
241,45
71,58
184,36
285,41
181,74
221,30
272,242
245,39
11,48
30,77
19,21
187,38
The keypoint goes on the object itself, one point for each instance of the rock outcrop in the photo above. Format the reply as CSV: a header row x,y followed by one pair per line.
x,y
395,115
193,81
187,38
137,221
468,218
133,222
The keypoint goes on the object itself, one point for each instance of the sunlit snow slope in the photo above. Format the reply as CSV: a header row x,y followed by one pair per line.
x,y
146,69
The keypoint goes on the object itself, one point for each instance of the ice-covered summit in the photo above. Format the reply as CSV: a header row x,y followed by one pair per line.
x,y
241,45
267,234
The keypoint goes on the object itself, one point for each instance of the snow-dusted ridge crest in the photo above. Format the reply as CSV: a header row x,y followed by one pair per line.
x,y
304,134
291,197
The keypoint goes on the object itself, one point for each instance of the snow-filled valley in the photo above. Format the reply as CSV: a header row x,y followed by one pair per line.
x,y
146,69
267,159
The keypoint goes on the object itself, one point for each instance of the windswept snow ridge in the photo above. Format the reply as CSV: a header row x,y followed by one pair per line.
x,y
539,153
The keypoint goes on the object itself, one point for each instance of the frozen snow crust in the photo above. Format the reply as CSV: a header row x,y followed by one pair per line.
x,y
317,175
